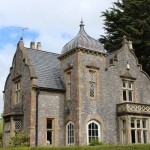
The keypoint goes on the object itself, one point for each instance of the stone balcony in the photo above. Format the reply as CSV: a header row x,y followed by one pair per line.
x,y
133,108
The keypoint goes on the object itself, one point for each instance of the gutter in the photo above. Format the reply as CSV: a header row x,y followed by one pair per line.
x,y
36,117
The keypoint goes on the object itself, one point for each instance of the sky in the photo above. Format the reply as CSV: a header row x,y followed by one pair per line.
x,y
51,22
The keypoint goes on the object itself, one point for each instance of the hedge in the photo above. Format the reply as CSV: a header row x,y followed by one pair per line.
x,y
101,147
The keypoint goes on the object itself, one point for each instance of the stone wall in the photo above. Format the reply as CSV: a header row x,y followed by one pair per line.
x,y
51,106
18,71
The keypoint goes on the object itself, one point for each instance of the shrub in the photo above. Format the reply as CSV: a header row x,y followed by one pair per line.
x,y
19,139
95,142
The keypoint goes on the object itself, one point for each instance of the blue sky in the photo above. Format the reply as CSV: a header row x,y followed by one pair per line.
x,y
51,22
12,35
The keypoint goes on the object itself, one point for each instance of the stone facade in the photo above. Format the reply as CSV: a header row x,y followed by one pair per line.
x,y
65,112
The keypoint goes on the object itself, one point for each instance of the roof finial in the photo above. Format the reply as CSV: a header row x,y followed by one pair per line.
x,y
81,22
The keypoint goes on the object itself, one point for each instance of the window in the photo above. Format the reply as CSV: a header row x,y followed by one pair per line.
x,y
139,130
17,125
127,91
93,131
136,131
69,85
92,83
17,92
70,133
49,131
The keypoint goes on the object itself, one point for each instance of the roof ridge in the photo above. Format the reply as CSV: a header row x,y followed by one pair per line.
x,y
41,51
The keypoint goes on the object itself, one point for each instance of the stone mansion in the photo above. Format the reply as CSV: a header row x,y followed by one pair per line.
x,y
80,95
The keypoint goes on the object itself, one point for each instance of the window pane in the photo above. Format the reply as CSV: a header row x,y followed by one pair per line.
x,y
144,123
138,124
132,124
92,76
124,124
49,137
49,124
139,136
130,95
124,84
145,136
90,126
69,90
92,87
133,136
18,125
124,136
124,96
130,85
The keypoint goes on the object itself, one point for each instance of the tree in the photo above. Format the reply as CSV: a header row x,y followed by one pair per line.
x,y
132,19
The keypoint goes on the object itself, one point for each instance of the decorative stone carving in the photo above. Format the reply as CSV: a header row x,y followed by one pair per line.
x,y
133,108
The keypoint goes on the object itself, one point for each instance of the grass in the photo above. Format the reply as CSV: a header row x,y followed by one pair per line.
x,y
100,147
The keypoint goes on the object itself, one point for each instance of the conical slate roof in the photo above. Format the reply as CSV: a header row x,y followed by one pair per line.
x,y
83,40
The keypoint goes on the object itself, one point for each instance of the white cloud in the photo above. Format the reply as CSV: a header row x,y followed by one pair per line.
x,y
51,19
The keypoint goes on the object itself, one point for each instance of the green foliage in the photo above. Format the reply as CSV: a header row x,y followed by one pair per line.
x,y
95,142
132,19
20,139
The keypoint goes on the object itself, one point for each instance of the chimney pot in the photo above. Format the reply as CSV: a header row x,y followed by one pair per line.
x,y
32,45
38,46
130,45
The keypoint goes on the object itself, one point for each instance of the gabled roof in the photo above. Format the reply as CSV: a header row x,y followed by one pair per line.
x,y
47,68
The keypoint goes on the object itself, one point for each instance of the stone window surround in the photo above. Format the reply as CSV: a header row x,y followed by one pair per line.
x,y
92,83
16,80
68,85
69,136
128,118
99,130
96,93
54,128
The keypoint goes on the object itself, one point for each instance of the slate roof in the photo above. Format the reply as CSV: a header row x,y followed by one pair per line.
x,y
47,68
83,40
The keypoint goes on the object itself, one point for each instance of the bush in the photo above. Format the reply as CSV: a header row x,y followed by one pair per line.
x,y
20,139
95,142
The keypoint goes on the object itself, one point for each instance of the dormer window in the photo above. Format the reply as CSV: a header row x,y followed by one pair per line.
x,y
127,87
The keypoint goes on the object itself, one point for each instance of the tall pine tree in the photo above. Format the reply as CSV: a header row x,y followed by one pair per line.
x,y
132,19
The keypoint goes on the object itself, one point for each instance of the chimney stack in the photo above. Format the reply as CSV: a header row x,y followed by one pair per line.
x,y
130,45
38,46
32,45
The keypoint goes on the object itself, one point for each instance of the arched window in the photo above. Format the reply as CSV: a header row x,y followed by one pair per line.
x,y
93,131
70,133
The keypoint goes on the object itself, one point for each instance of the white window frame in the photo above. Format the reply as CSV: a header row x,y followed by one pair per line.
x,y
140,128
127,89
99,130
70,135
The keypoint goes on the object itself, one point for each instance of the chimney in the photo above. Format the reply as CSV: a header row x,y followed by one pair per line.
x,y
130,44
38,46
32,45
